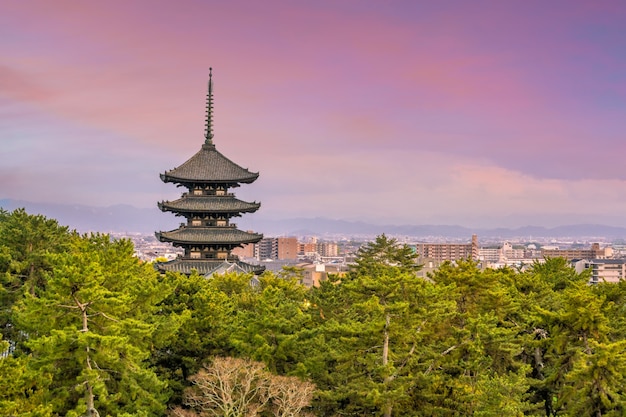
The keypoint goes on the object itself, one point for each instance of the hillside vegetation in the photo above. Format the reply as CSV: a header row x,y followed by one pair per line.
x,y
89,330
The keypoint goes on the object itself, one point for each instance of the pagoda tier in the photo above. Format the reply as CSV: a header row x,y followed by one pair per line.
x,y
209,267
190,205
208,166
208,237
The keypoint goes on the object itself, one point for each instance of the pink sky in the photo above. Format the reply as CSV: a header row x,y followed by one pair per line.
x,y
484,113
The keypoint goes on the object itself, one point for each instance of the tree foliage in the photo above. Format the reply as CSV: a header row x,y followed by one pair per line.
x,y
98,331
27,246
87,329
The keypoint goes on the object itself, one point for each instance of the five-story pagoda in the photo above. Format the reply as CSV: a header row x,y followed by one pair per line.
x,y
208,236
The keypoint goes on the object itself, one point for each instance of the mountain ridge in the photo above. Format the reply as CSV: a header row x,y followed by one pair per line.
x,y
123,218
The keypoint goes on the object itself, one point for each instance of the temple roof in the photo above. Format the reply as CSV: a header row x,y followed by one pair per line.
x,y
209,203
208,266
209,166
209,236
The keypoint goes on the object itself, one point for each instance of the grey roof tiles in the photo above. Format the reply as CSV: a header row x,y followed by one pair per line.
x,y
209,204
209,166
209,235
208,266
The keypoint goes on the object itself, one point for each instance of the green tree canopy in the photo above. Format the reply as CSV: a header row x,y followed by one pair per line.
x,y
96,337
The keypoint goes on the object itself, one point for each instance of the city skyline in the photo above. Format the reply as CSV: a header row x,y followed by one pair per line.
x,y
481,114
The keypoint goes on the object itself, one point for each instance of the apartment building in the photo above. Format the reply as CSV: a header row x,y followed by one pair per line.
x,y
313,274
595,252
440,252
602,270
506,254
279,248
287,248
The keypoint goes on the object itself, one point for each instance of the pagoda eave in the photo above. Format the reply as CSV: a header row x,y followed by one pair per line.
x,y
208,205
214,236
231,182
182,212
206,267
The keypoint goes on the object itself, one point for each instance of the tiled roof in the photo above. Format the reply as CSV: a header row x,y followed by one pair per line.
x,y
209,166
209,204
208,235
208,267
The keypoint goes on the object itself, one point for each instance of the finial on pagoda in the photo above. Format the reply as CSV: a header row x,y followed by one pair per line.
x,y
208,133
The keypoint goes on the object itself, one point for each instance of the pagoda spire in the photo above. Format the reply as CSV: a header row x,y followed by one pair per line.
x,y
208,132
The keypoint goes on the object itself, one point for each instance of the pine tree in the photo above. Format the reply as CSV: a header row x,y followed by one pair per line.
x,y
272,322
27,243
22,390
198,316
376,322
562,319
481,345
97,333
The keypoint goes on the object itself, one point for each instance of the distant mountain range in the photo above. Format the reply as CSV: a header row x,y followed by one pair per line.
x,y
129,219
118,218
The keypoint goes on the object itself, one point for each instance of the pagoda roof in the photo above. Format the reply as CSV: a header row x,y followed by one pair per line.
x,y
209,235
208,165
209,203
208,267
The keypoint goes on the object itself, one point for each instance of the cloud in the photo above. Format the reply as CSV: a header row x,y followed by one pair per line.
x,y
16,84
394,112
397,188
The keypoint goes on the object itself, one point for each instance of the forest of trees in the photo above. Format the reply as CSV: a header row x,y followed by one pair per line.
x,y
89,330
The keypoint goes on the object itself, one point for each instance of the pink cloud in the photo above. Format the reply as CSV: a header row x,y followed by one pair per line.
x,y
17,85
531,93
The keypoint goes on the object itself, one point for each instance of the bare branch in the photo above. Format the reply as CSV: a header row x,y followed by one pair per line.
x,y
64,306
290,395
229,386
450,349
241,387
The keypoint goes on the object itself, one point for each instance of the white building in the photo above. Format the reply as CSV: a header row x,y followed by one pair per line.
x,y
602,270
